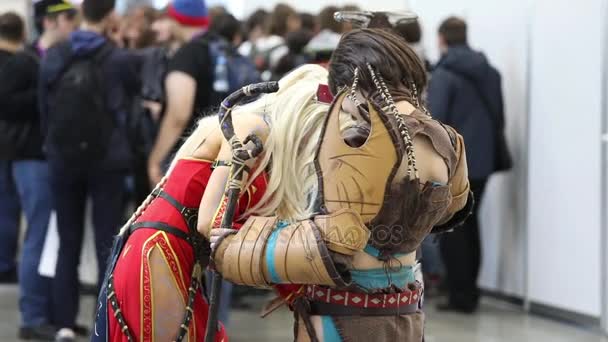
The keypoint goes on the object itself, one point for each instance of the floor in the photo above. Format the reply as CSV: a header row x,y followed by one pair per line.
x,y
495,322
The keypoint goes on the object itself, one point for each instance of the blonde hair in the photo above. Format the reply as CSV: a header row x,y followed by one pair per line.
x,y
296,120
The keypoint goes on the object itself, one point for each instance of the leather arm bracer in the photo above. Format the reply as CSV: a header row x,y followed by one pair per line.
x,y
266,251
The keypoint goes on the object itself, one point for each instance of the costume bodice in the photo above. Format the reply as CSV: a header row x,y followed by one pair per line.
x,y
187,183
414,208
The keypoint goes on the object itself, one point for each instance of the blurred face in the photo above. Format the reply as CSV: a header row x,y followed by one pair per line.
x,y
66,24
114,29
164,30
256,33
443,47
237,40
135,26
294,23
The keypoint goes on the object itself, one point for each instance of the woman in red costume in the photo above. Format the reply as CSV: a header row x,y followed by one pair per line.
x,y
152,289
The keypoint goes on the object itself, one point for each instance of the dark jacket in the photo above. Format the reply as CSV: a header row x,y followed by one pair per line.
x,y
18,105
121,85
458,82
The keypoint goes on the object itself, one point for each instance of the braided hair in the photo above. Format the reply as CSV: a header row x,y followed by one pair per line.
x,y
382,66
391,57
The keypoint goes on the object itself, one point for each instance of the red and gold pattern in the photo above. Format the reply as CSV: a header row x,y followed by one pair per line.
x,y
154,270
161,242
221,211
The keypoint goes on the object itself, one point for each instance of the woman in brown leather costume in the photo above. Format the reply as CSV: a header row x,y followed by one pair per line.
x,y
388,175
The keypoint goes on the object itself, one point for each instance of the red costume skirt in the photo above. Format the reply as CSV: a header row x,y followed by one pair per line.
x,y
151,285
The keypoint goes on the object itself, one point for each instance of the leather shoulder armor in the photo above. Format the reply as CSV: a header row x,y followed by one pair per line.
x,y
356,177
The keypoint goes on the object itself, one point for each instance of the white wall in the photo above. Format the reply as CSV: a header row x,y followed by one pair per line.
x,y
565,119
505,44
558,184
20,6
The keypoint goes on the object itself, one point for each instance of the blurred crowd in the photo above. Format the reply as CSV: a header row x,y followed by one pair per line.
x,y
156,72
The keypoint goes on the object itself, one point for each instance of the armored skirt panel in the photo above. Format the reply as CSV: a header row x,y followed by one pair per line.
x,y
153,271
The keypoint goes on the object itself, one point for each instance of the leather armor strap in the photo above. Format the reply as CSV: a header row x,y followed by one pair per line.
x,y
228,163
201,252
111,297
186,212
195,285
190,216
161,226
302,309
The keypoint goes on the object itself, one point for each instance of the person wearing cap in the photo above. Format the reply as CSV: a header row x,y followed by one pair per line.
x,y
188,82
55,20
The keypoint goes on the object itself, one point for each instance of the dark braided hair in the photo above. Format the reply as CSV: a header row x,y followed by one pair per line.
x,y
388,53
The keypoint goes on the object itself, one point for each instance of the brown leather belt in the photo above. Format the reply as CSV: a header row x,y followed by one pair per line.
x,y
330,302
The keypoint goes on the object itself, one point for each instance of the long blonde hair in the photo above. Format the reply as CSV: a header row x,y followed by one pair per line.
x,y
296,120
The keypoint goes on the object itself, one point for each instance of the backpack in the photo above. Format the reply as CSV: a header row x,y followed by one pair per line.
x,y
153,72
80,124
142,128
232,70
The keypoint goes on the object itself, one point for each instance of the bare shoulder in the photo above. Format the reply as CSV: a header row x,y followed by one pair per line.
x,y
246,124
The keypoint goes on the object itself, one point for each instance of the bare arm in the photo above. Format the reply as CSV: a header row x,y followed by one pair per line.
x,y
203,143
217,182
181,89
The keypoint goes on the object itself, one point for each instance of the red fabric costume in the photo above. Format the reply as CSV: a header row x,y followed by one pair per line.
x,y
154,263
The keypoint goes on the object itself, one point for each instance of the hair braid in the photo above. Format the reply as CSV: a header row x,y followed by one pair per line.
x,y
388,99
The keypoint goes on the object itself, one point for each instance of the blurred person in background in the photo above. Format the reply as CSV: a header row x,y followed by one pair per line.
x,y
155,48
55,20
411,31
165,31
296,42
269,49
347,26
201,73
188,82
465,92
138,33
226,27
309,23
322,45
254,29
89,155
24,176
216,11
